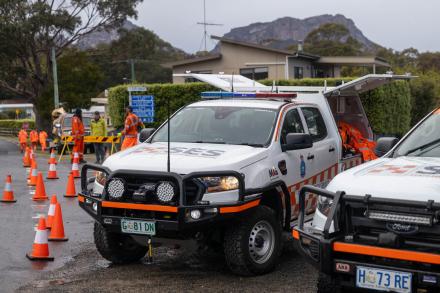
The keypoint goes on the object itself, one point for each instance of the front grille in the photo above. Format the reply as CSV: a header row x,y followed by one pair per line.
x,y
193,190
368,231
314,250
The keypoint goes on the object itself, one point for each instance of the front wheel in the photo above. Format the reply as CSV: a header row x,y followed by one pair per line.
x,y
117,248
253,245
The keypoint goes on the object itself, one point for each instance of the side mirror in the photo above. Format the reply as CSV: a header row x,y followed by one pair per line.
x,y
146,133
384,145
297,141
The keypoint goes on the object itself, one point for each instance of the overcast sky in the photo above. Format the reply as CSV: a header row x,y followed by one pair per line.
x,y
398,24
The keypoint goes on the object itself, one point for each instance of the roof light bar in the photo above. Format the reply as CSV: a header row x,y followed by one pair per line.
x,y
261,95
392,217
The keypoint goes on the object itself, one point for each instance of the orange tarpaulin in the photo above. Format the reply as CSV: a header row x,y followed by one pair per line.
x,y
352,140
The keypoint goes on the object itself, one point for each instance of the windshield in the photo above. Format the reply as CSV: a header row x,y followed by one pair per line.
x,y
68,122
424,141
224,125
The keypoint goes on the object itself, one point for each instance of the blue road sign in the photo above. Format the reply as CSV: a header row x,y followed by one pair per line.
x,y
143,107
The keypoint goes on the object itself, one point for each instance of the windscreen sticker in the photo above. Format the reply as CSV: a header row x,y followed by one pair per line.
x,y
182,151
406,170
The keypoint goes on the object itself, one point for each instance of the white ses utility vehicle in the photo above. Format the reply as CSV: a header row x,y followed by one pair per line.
x,y
377,225
236,164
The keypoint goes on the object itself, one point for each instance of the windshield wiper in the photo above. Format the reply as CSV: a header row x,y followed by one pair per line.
x,y
423,146
257,145
214,142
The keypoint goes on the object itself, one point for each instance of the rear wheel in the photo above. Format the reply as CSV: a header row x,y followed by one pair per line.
x,y
253,245
327,284
117,248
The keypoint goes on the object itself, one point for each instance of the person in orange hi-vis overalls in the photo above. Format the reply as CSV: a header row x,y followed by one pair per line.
x,y
78,134
22,139
34,139
43,138
132,122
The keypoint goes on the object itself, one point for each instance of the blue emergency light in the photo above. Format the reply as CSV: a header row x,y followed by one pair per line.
x,y
231,95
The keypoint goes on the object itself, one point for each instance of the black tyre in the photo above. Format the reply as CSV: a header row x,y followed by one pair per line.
x,y
117,248
327,284
252,246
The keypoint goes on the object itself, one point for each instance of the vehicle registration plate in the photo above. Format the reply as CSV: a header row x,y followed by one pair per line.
x,y
138,227
378,279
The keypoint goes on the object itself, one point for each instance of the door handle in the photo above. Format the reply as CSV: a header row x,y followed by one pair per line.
x,y
331,149
310,157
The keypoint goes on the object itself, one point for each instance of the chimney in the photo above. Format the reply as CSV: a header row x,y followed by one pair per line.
x,y
300,46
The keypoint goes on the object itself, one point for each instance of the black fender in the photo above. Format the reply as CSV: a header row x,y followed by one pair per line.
x,y
283,197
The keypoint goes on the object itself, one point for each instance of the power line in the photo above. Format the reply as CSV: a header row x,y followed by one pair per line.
x,y
205,25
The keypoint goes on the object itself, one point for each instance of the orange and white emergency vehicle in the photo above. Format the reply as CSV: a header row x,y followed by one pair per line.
x,y
232,170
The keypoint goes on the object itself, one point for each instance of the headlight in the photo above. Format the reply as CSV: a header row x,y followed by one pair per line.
x,y
165,191
101,178
324,204
218,184
116,188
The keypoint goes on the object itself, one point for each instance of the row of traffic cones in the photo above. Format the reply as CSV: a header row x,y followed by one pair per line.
x,y
54,220
40,247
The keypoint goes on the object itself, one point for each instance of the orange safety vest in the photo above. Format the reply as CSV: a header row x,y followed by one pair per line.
x,y
43,137
34,136
132,122
352,139
77,127
22,136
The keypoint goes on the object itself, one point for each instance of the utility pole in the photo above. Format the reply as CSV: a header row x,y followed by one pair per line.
x,y
56,98
205,25
133,76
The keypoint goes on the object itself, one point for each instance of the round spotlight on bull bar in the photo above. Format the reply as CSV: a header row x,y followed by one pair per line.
x,y
165,191
116,188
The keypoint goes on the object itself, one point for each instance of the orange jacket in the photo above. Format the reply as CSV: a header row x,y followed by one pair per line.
x,y
132,122
34,136
77,127
22,136
352,139
43,136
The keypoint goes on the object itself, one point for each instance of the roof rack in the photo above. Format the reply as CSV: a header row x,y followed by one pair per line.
x,y
215,95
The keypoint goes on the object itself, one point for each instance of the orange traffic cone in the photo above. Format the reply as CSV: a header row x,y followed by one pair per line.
x,y
57,231
40,248
27,158
52,174
8,194
51,212
52,159
75,167
33,176
40,190
70,189
30,170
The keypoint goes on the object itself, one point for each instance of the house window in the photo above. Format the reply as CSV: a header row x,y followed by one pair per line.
x,y
258,73
298,72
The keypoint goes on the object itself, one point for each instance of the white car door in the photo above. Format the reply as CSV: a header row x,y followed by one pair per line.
x,y
292,164
322,159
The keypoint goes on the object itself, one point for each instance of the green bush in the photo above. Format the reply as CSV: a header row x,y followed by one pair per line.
x,y
16,124
424,92
388,108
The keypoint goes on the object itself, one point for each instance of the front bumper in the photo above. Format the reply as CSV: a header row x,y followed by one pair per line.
x,y
340,252
172,221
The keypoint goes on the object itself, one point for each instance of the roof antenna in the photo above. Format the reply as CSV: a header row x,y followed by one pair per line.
x,y
232,82
169,136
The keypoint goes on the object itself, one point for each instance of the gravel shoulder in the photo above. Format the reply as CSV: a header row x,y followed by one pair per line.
x,y
175,268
